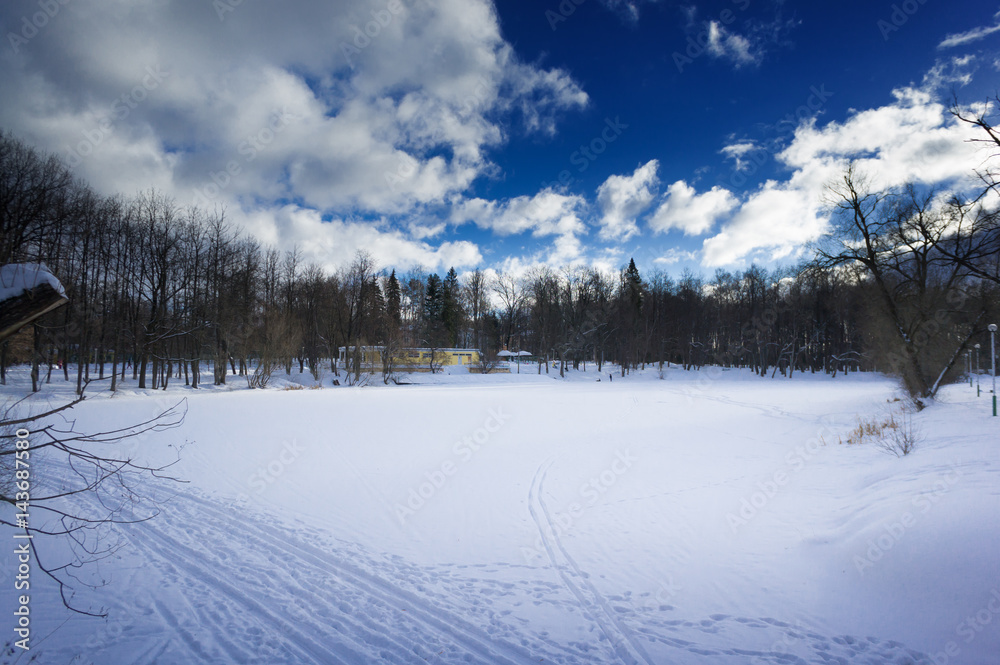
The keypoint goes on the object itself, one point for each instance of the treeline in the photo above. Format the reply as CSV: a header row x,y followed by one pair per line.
x,y
906,284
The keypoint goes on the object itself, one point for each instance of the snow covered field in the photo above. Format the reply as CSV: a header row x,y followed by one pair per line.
x,y
711,517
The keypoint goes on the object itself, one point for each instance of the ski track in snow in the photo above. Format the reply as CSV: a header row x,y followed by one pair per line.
x,y
242,588
629,650
625,646
380,622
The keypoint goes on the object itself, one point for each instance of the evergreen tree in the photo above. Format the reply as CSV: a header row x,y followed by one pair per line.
x,y
434,330
451,307
633,286
392,300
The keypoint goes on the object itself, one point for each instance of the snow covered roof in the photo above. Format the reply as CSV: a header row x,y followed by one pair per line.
x,y
17,278
21,298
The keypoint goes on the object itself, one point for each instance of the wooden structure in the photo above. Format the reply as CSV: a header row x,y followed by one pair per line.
x,y
32,303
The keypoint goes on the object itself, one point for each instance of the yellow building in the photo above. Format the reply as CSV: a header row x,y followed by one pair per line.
x,y
411,359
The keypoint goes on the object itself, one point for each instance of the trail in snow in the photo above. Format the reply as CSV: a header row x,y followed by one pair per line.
x,y
620,637
803,646
311,604
240,588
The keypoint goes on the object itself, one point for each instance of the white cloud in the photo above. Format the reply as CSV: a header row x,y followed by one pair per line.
x,y
424,230
912,139
728,45
378,124
674,255
969,36
546,214
780,217
686,210
623,198
742,47
333,243
737,152
628,9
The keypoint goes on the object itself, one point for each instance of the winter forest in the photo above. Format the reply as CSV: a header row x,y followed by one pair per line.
x,y
158,292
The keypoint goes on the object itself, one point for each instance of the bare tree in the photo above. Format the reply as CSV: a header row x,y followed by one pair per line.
x,y
357,320
511,293
476,296
923,295
97,470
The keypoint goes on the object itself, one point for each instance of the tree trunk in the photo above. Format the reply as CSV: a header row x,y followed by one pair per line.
x,y
36,352
141,367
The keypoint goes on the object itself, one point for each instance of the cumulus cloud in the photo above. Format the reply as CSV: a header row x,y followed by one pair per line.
x,y
546,214
358,111
686,210
911,139
781,217
623,198
333,243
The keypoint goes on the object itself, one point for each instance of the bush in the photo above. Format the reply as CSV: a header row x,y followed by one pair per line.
x,y
901,439
894,433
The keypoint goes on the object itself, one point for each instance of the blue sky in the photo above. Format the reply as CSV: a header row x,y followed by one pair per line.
x,y
461,132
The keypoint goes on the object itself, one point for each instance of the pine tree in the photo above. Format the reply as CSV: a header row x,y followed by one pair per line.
x,y
451,307
392,299
633,286
433,310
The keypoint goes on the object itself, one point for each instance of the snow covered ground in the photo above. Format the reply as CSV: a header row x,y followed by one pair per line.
x,y
710,517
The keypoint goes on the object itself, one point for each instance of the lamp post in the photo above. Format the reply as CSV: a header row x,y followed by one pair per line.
x,y
977,370
968,364
993,353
